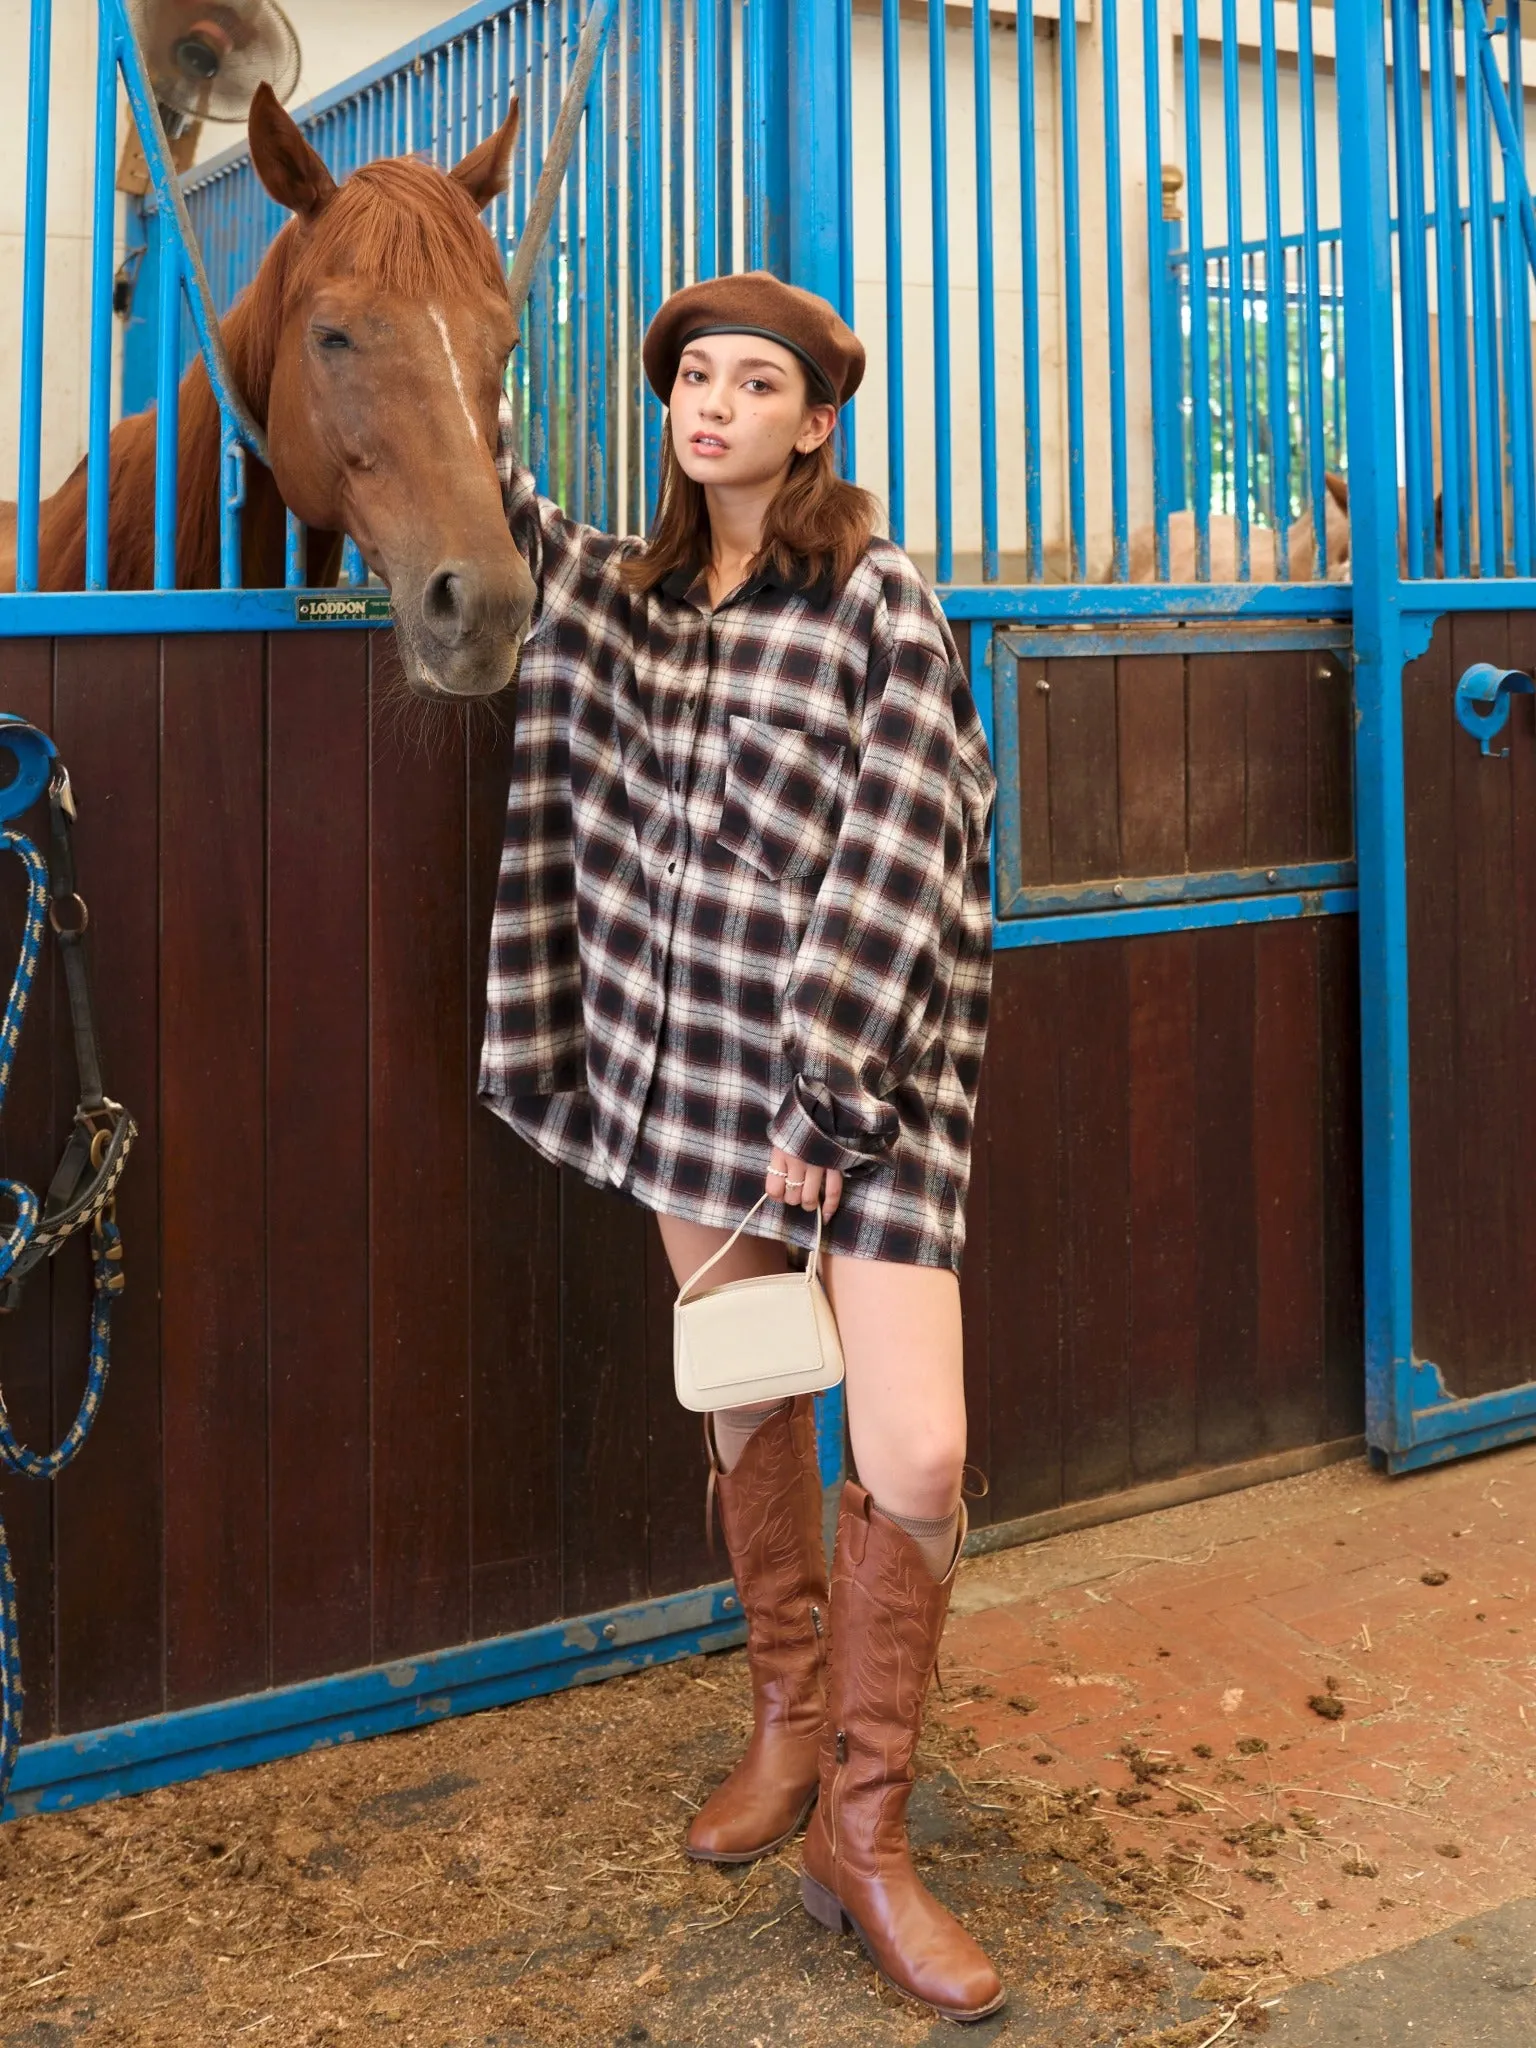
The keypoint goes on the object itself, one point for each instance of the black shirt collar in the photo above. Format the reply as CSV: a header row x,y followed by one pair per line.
x,y
689,584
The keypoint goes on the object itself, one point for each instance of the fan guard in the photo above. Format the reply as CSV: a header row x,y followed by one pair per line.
x,y
207,57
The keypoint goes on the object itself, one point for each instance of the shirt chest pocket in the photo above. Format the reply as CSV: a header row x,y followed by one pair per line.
x,y
783,799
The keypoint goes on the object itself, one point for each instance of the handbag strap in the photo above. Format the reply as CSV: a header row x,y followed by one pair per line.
x,y
715,1257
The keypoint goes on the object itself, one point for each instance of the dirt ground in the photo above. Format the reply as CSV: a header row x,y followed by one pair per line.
x,y
517,1877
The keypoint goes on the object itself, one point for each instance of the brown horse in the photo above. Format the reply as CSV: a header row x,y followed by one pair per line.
x,y
372,347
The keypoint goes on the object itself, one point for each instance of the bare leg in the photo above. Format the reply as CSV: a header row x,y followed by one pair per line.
x,y
900,1328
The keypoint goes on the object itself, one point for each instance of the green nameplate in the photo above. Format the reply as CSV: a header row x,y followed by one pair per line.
x,y
343,608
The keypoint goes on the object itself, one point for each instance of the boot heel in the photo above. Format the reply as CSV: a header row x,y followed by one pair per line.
x,y
822,1906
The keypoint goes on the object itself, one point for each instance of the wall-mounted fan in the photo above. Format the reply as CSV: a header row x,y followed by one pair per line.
x,y
205,59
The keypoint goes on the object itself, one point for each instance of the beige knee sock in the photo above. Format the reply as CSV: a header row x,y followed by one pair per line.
x,y
934,1536
733,1426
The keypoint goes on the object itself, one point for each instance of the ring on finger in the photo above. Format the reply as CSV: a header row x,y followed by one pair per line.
x,y
793,1184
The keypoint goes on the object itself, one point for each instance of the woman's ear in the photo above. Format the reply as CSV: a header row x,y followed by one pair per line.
x,y
819,422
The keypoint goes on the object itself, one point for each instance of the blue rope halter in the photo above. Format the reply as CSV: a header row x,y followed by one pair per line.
x,y
36,1231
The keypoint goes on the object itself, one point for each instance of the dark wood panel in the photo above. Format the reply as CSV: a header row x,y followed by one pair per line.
x,y
28,1149
1085,841
1024,1247
1338,944
514,1291
419,1226
1230,1419
676,1467
1095,1118
213,1312
108,1504
1331,757
1034,772
317,1153
976,1305
603,1257
1430,739
1218,834
1277,753
1287,1144
1164,1245
1491,1064
1522,1103
1150,705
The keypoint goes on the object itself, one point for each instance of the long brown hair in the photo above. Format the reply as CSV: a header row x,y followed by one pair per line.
x,y
817,527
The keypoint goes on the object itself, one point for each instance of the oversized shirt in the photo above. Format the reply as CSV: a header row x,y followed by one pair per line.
x,y
744,896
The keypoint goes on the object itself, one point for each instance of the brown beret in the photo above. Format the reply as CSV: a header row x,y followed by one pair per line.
x,y
754,302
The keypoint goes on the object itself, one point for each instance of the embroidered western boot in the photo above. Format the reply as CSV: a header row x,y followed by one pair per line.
x,y
770,1510
887,1617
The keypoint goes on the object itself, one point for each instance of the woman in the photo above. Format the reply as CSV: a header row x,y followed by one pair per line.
x,y
742,946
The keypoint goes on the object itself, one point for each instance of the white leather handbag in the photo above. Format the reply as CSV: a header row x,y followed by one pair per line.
x,y
766,1339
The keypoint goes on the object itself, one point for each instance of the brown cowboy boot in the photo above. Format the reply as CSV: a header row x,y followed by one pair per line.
x,y
770,1509
887,1617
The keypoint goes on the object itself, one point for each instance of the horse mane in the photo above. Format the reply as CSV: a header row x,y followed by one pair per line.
x,y
398,224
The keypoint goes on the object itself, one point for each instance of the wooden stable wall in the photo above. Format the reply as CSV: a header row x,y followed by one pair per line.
x,y
1471,822
383,1381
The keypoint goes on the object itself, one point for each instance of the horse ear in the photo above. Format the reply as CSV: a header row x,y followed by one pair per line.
x,y
1337,488
483,173
285,163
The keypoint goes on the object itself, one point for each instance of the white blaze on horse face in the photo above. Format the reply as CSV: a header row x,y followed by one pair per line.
x,y
453,364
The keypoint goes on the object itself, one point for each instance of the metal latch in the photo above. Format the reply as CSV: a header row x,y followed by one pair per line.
x,y
1482,701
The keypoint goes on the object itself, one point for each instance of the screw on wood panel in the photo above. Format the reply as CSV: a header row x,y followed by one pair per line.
x,y
1042,686
1272,876
610,1630
729,1603
1120,889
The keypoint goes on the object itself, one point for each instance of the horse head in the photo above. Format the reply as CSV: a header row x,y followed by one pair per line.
x,y
390,336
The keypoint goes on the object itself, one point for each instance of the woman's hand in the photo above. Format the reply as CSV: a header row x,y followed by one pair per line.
x,y
801,1186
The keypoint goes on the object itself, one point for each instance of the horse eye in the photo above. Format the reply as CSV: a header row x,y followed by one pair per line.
x,y
331,337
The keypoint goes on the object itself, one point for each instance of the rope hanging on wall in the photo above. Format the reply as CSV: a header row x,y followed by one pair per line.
x,y
82,1193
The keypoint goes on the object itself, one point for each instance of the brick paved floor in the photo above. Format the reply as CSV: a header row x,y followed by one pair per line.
x,y
1199,1635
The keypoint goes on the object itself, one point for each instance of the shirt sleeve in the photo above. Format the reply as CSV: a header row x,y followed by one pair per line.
x,y
870,985
559,551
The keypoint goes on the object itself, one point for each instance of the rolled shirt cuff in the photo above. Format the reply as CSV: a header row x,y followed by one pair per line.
x,y
811,1124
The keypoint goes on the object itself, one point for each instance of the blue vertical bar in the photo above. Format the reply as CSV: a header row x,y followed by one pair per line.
x,y
1485,344
1518,321
1029,235
612,320
1223,376
1275,353
986,289
1114,258
1454,464
639,509
594,310
1311,282
706,137
725,190
1163,334
570,287
1367,228
29,473
1237,298
167,407
1336,328
677,146
847,437
538,295
294,551
104,217
503,103
943,397
895,311
650,54
754,76
1418,425
1199,291
1072,266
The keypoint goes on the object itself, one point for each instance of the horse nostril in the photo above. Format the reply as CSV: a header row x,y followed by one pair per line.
x,y
443,605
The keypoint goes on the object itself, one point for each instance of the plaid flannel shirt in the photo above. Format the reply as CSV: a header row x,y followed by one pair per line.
x,y
744,895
